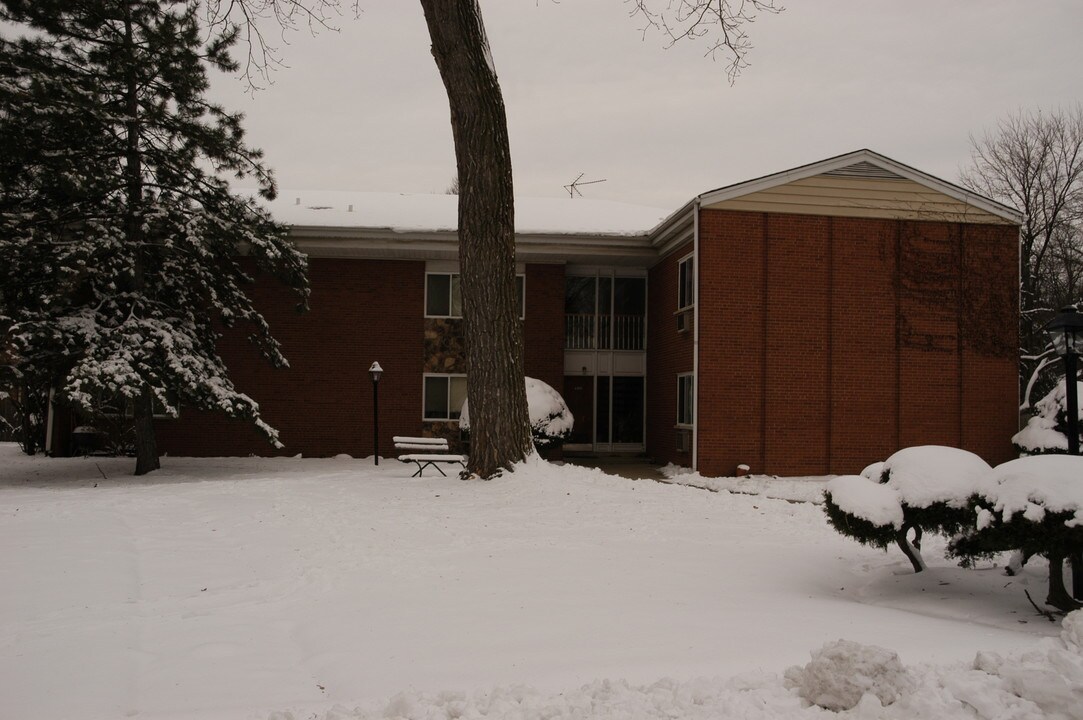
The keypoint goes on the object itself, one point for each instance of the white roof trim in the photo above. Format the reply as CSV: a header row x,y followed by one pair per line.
x,y
963,195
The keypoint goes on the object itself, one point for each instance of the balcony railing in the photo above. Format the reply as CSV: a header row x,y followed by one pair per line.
x,y
604,332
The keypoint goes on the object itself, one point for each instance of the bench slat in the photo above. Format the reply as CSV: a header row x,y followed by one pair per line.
x,y
432,457
419,440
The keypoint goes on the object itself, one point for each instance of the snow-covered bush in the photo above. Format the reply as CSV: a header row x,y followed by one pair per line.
x,y
550,419
1033,504
919,489
842,672
1047,431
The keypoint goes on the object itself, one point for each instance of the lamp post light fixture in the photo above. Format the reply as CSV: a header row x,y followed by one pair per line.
x,y
375,371
1066,332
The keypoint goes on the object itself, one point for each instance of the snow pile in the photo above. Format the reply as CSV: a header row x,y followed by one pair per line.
x,y
873,471
550,419
1043,432
868,500
800,489
928,474
866,682
1039,484
842,672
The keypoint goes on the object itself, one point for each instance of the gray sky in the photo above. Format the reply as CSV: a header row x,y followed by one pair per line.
x,y
364,108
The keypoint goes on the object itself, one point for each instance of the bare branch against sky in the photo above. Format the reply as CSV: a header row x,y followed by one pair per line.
x,y
362,109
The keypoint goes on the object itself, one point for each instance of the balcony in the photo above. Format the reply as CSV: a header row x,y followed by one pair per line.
x,y
604,332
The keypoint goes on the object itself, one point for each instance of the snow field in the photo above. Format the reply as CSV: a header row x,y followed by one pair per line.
x,y
225,588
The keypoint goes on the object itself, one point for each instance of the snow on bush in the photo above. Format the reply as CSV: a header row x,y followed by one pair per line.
x,y
919,489
873,471
843,672
867,500
1034,505
550,419
930,474
1046,432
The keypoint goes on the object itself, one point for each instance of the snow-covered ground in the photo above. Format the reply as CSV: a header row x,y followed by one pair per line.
x,y
288,588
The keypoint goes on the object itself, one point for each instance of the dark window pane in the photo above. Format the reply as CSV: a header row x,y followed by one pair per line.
x,y
686,289
520,288
436,392
630,296
627,409
578,295
601,425
438,295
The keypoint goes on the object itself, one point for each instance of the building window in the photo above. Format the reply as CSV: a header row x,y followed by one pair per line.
x,y
444,396
686,399
443,295
686,287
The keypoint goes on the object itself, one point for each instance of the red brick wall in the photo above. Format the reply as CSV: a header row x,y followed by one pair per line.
x,y
361,311
828,343
543,329
668,353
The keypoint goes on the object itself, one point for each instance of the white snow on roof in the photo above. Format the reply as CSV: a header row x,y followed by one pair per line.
x,y
410,212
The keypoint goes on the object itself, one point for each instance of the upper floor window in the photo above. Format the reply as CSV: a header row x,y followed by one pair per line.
x,y
443,295
686,287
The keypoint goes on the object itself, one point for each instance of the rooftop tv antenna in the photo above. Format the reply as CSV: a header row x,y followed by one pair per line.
x,y
573,187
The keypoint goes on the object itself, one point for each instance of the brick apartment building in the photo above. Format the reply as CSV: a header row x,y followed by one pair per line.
x,y
807,322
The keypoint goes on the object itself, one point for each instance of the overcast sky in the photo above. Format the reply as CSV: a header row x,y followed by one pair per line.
x,y
364,109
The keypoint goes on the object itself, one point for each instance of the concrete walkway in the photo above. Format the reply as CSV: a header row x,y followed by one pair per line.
x,y
633,468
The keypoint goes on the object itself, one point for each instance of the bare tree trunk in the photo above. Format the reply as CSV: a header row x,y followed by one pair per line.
x,y
499,429
146,445
1058,596
912,550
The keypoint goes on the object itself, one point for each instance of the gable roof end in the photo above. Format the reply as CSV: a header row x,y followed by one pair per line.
x,y
863,164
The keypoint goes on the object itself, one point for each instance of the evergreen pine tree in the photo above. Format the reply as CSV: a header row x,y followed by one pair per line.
x,y
120,234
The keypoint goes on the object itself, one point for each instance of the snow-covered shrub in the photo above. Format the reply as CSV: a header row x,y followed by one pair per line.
x,y
1047,431
920,489
842,672
1033,504
550,419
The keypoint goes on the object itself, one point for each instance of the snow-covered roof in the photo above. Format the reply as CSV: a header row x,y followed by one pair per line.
x,y
413,212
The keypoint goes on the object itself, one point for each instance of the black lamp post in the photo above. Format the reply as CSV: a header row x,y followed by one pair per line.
x,y
1066,332
376,371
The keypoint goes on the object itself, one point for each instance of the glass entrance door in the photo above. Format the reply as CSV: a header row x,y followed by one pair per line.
x,y
618,414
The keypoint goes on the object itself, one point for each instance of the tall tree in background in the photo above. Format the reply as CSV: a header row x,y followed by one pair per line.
x,y
500,431
119,232
1034,162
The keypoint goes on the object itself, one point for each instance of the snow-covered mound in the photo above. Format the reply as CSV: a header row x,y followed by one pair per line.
x,y
842,672
550,419
866,499
1038,484
866,682
928,474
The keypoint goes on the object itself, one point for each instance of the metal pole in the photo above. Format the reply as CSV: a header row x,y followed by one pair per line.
x,y
376,420
1071,395
1070,372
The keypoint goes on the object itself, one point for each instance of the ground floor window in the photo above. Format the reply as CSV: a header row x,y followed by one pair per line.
x,y
686,399
444,396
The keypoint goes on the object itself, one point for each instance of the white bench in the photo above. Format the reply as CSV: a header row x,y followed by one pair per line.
x,y
432,455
